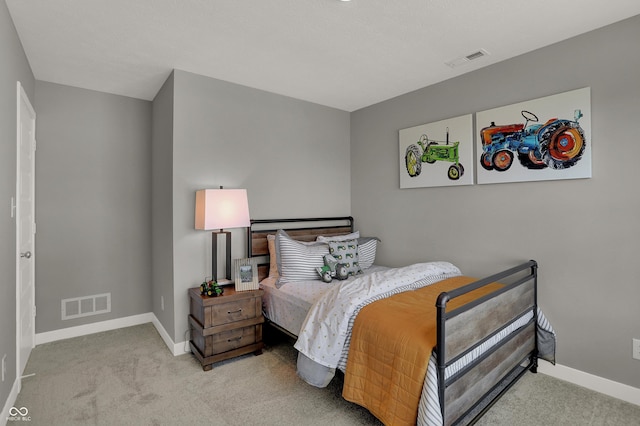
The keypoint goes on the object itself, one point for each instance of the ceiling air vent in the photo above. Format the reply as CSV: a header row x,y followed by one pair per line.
x,y
465,59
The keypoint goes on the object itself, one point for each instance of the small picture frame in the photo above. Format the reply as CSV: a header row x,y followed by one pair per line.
x,y
246,274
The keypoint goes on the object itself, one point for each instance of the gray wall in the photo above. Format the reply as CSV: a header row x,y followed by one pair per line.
x,y
116,179
584,233
291,156
93,202
14,68
162,206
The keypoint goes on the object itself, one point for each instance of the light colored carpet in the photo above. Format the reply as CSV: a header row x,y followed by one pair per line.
x,y
128,377
538,399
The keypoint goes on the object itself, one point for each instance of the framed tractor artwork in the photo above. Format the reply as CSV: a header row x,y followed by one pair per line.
x,y
437,154
543,139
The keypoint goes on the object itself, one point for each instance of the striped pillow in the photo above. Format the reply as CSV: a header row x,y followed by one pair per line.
x,y
297,260
367,251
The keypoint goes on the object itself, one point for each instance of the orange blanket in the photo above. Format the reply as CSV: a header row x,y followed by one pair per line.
x,y
391,342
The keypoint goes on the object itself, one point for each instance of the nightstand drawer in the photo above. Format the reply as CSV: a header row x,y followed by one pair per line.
x,y
232,311
210,344
226,309
232,339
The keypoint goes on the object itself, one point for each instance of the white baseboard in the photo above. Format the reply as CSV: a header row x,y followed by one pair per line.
x,y
97,327
182,348
175,348
11,400
608,387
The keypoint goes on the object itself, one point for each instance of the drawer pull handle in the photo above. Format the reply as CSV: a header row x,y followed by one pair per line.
x,y
234,312
234,340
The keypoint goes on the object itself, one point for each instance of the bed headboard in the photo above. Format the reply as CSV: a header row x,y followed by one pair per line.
x,y
303,229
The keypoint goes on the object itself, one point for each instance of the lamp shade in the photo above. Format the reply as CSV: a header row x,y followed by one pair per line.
x,y
222,208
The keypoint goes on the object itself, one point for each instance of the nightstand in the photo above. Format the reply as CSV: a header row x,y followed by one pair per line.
x,y
226,326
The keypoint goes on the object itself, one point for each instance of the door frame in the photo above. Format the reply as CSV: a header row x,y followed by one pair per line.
x,y
22,98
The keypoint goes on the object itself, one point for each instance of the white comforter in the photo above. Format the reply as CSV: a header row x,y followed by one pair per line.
x,y
326,328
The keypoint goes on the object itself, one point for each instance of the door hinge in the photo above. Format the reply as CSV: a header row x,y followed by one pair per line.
x,y
34,310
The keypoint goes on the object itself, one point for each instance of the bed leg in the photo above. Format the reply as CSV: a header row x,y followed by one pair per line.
x,y
534,365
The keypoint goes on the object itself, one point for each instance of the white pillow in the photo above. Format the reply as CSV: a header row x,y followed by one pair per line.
x,y
351,236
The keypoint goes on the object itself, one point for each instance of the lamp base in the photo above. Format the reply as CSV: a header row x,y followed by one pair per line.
x,y
214,256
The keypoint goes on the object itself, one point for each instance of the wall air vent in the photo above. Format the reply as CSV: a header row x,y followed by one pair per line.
x,y
84,306
468,58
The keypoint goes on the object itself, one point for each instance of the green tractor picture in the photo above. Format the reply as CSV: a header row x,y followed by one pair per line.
x,y
431,152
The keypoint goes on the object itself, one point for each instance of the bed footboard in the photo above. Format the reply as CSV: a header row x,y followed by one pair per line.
x,y
506,316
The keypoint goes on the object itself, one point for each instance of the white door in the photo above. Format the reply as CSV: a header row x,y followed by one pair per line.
x,y
25,230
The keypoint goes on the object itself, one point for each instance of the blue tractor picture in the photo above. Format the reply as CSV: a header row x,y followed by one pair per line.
x,y
557,144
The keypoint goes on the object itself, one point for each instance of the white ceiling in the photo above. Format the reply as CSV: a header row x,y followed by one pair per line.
x,y
346,55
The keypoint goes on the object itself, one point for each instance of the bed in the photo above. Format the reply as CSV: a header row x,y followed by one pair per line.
x,y
422,344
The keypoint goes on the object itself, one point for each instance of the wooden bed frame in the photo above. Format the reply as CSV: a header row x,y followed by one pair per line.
x,y
468,394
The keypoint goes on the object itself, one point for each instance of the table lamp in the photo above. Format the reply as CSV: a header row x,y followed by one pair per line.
x,y
219,209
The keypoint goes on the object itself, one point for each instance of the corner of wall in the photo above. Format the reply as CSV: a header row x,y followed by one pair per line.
x,y
11,399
